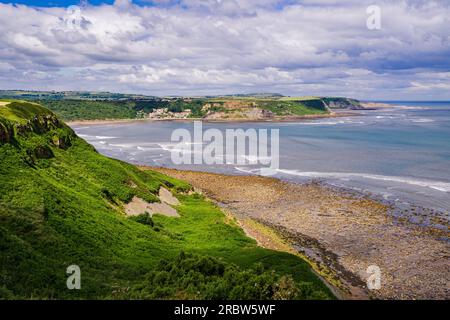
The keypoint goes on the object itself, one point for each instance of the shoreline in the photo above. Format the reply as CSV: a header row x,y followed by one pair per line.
x,y
339,233
237,120
337,113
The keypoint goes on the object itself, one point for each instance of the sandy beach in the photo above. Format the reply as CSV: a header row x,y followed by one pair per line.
x,y
341,233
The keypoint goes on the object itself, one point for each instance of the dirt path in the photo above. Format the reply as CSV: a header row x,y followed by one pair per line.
x,y
345,232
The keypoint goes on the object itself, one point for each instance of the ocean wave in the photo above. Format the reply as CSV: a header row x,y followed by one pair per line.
x,y
251,171
386,117
89,137
322,123
403,107
123,145
423,120
142,148
436,185
180,147
252,158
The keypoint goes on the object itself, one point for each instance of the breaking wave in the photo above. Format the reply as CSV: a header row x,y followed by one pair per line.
x,y
432,184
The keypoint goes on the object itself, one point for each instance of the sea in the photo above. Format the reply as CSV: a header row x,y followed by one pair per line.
x,y
400,154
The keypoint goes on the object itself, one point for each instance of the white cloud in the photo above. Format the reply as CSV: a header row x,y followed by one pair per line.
x,y
210,46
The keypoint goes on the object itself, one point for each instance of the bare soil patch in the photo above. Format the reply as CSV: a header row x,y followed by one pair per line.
x,y
139,206
167,197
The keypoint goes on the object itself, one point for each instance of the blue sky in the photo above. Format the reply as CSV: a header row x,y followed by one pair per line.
x,y
56,3
190,47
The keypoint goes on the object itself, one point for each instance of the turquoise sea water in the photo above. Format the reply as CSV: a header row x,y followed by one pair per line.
x,y
400,153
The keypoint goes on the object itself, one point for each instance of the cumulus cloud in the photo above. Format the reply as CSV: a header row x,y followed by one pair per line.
x,y
229,46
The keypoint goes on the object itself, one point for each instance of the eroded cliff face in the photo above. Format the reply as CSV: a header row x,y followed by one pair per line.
x,y
342,103
40,124
276,109
37,134
241,114
6,132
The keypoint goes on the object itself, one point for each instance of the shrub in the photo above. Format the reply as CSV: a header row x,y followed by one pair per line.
x,y
202,277
144,218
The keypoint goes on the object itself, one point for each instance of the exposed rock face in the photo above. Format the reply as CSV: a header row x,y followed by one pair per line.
x,y
39,125
43,152
253,113
139,206
164,113
42,124
342,103
167,197
62,142
6,133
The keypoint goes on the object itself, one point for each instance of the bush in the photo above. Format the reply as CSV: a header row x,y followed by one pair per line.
x,y
144,218
202,277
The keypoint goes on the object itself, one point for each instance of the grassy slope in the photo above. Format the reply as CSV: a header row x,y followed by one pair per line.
x,y
285,106
295,107
65,209
91,110
70,110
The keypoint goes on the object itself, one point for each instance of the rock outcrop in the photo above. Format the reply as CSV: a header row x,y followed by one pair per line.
x,y
6,132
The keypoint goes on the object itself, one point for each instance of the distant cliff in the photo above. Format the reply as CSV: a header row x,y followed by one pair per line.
x,y
253,108
342,103
72,106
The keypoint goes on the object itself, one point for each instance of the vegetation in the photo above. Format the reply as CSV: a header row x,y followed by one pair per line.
x,y
192,276
69,95
71,106
295,107
61,203
90,110
144,218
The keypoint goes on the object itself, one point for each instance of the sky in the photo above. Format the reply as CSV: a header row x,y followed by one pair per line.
x,y
397,50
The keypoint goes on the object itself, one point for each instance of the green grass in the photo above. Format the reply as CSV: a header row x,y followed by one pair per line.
x,y
21,111
299,98
70,110
295,107
284,106
65,206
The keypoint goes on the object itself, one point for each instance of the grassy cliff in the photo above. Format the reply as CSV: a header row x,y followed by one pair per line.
x,y
62,203
72,106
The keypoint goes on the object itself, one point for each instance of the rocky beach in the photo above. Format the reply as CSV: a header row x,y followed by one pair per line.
x,y
340,232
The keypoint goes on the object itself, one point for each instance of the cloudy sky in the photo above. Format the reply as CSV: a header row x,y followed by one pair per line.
x,y
192,47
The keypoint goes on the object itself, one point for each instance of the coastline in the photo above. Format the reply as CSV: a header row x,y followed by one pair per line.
x,y
338,114
340,233
375,105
